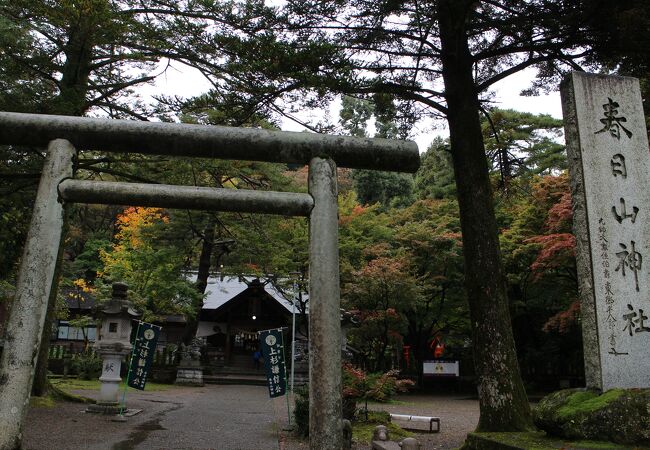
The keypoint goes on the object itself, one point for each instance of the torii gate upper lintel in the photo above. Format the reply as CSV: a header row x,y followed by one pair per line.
x,y
209,141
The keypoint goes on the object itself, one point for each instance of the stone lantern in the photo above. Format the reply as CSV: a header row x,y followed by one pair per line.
x,y
113,344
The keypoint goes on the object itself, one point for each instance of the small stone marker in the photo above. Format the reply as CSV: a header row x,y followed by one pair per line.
x,y
609,164
347,434
380,433
190,371
410,444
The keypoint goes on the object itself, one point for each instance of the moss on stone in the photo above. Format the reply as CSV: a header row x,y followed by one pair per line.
x,y
362,432
587,402
534,441
618,415
497,441
596,445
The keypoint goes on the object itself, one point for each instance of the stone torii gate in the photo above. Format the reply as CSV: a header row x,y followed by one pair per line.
x,y
62,134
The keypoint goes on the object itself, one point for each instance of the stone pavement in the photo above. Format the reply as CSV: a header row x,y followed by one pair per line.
x,y
210,417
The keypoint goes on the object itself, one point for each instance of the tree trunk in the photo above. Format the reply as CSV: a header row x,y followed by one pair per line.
x,y
201,279
303,318
502,399
40,385
70,101
420,352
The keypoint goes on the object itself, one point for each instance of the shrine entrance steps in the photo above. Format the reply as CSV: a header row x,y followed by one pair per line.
x,y
239,370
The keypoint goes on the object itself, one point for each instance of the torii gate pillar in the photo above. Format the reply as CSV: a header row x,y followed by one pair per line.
x,y
325,422
25,324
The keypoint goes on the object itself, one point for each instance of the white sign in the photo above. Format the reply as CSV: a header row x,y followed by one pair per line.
x,y
612,153
440,368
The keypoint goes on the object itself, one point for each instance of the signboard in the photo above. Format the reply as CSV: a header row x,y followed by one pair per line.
x,y
272,345
437,368
607,145
144,349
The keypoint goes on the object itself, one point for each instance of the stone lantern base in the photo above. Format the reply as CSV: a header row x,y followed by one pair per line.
x,y
109,394
109,408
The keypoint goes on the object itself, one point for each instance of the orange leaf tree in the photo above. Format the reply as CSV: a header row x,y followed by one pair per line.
x,y
142,257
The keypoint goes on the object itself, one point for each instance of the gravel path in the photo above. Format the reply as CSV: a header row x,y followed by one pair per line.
x,y
216,417
458,416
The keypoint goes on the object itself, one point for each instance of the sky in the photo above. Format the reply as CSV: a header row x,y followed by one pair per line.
x,y
188,82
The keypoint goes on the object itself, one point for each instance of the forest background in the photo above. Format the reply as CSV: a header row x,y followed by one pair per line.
x,y
403,269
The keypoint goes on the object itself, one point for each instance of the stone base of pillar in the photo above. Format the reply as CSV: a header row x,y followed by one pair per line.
x,y
189,376
108,408
111,409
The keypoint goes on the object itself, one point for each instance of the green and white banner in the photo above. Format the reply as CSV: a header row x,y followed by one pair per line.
x,y
144,349
272,345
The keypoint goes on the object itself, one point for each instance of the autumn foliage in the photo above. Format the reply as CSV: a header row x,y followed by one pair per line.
x,y
556,250
556,246
141,256
564,320
358,384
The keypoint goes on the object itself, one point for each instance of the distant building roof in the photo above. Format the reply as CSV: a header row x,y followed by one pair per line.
x,y
171,318
218,292
221,290
78,299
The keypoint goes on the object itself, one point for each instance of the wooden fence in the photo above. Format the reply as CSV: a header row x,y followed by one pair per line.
x,y
162,358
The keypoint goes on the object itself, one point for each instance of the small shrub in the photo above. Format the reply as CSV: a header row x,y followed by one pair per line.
x,y
380,387
301,410
88,365
357,385
376,417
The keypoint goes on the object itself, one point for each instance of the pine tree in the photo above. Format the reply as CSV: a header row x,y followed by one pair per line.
x,y
439,58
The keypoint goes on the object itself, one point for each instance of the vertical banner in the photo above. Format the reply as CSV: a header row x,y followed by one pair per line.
x,y
144,349
272,345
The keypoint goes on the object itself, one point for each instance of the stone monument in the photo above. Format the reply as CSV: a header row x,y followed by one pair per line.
x,y
113,344
190,371
609,164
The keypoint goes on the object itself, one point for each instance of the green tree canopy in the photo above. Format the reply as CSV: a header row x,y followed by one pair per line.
x,y
520,143
435,177
151,267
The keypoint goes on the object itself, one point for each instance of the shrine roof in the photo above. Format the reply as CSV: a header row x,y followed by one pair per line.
x,y
221,290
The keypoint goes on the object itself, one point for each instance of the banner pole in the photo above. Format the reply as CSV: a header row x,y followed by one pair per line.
x,y
128,374
293,330
286,380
